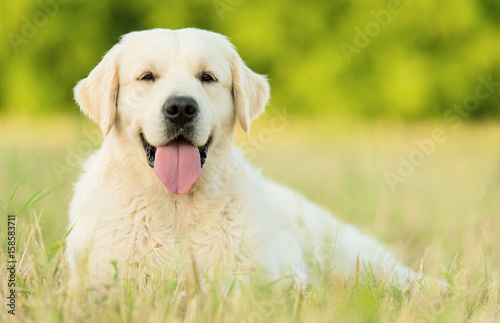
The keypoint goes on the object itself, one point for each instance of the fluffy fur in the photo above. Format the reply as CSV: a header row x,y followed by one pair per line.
x,y
122,215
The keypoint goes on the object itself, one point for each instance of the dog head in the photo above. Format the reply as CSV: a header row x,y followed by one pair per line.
x,y
176,94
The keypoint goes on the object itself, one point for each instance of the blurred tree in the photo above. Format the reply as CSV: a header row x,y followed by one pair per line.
x,y
405,58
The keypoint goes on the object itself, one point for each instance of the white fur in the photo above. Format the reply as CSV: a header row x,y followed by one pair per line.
x,y
122,212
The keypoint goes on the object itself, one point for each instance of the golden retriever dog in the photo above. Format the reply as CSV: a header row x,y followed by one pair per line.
x,y
168,189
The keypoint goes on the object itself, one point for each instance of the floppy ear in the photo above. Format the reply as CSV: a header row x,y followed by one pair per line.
x,y
250,92
96,95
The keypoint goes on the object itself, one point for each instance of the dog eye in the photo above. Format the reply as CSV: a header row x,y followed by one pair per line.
x,y
206,77
147,77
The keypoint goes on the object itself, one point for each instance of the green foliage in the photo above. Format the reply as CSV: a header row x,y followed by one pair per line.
x,y
421,59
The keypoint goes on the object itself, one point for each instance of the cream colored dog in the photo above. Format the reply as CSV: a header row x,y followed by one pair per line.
x,y
167,187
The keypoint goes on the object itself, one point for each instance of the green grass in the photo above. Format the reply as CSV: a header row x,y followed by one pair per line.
x,y
444,218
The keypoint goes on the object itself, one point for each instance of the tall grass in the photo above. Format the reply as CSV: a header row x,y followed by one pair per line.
x,y
443,218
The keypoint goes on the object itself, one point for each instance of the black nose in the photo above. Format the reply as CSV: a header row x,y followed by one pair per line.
x,y
180,109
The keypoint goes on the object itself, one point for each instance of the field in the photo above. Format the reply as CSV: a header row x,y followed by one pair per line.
x,y
428,190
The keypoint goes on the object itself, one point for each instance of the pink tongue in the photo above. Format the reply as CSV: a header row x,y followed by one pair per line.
x,y
178,166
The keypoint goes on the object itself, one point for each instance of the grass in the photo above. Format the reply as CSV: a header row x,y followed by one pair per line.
x,y
443,217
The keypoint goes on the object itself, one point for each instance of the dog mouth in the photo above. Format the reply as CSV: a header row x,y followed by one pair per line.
x,y
150,150
178,163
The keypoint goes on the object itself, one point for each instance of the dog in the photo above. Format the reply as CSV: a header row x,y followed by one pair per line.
x,y
168,190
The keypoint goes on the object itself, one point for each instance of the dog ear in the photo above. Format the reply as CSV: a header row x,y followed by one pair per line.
x,y
250,92
97,93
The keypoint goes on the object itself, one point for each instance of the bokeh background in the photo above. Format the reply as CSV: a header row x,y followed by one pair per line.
x,y
364,80
420,61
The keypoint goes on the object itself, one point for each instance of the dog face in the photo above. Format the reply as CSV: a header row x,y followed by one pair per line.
x,y
175,94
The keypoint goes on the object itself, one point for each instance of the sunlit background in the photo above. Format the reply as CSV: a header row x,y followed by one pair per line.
x,y
368,84
409,59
